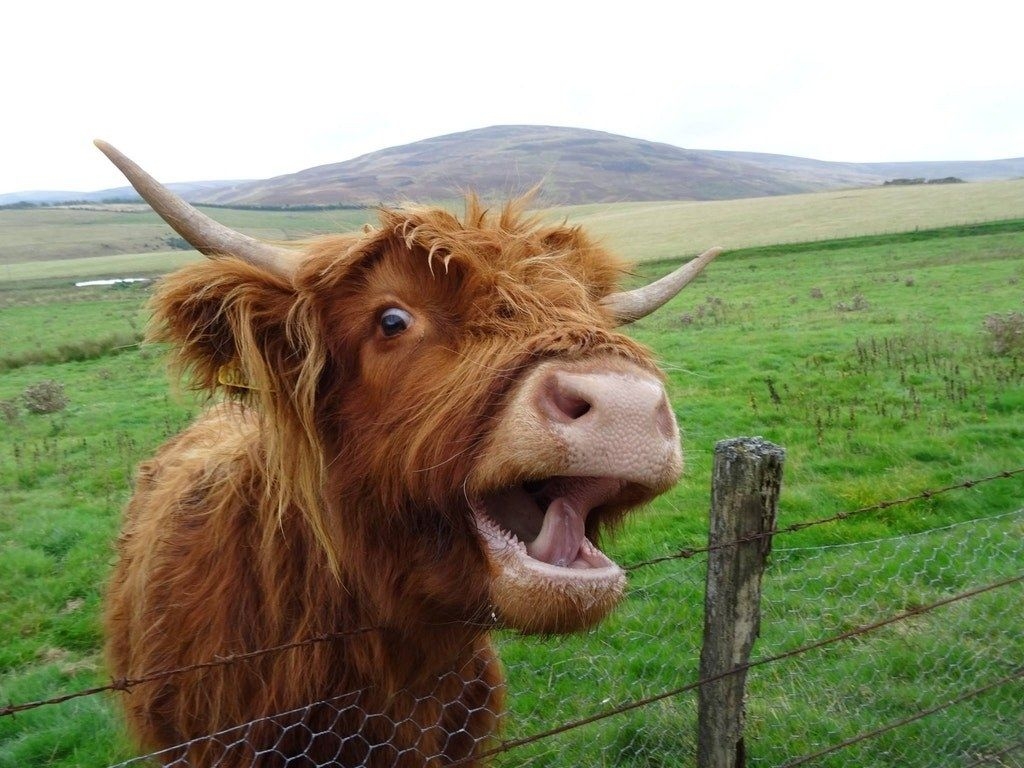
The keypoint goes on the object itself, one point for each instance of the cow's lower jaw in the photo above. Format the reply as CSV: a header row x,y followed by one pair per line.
x,y
550,577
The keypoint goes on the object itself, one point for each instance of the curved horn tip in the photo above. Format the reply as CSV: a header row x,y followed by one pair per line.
x,y
627,306
107,148
203,233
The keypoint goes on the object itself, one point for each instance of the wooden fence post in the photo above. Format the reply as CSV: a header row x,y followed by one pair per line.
x,y
744,501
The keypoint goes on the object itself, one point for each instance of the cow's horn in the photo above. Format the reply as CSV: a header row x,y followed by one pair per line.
x,y
203,233
628,306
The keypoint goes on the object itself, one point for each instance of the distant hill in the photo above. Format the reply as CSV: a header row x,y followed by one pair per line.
x,y
190,190
577,166
967,170
572,165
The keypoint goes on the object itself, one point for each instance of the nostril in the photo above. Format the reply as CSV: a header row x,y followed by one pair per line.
x,y
562,401
665,419
570,405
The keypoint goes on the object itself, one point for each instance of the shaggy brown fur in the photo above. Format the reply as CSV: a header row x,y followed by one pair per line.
x,y
328,493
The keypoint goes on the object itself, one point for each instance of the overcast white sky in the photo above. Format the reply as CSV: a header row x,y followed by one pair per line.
x,y
220,90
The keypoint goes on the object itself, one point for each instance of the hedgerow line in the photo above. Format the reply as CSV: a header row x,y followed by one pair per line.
x,y
125,684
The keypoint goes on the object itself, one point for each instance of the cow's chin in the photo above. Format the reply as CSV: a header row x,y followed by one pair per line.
x,y
549,576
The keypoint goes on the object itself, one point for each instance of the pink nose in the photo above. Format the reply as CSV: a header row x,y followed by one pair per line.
x,y
612,421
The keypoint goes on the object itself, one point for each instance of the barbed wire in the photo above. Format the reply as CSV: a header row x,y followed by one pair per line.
x,y
901,536
125,684
996,755
510,744
689,552
864,736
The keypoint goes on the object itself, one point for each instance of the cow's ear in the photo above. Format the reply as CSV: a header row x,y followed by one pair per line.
x,y
236,328
240,329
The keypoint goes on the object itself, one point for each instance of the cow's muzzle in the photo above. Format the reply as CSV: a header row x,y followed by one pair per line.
x,y
578,444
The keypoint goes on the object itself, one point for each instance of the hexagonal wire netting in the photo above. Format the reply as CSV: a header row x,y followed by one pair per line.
x,y
940,685
964,659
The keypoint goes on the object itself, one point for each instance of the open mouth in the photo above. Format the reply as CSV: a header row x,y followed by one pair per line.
x,y
545,524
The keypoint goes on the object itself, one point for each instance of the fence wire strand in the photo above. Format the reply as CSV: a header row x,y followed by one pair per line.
x,y
127,683
688,552
991,756
1017,675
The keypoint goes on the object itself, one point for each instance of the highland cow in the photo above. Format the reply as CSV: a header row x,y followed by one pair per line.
x,y
420,432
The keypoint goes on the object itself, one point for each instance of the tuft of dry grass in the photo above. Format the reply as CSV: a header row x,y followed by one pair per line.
x,y
1006,333
45,397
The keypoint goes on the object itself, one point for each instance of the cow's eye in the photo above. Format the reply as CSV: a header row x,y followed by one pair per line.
x,y
394,321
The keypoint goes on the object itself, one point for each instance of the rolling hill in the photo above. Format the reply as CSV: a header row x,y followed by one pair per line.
x,y
576,166
573,166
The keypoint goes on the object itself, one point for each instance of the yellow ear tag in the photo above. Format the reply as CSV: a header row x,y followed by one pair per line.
x,y
230,376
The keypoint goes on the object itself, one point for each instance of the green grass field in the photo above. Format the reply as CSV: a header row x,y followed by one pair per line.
x,y
869,363
48,234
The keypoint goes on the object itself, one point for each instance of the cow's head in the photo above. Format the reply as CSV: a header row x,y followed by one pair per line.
x,y
447,401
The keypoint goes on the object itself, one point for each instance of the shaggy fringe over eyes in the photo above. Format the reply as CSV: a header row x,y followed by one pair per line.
x,y
511,251
512,255
522,274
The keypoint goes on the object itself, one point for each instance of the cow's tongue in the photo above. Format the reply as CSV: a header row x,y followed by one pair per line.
x,y
561,535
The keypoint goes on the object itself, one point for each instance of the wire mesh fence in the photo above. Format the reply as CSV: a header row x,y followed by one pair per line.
x,y
900,651
801,702
828,696
342,731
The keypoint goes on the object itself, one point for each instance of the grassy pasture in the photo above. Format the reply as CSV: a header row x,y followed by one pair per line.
x,y
869,363
669,230
150,264
53,239
62,233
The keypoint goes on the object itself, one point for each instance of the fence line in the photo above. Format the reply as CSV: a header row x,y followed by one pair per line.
x,y
687,553
1016,675
899,537
240,732
996,755
125,684
510,744
638,702
506,746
